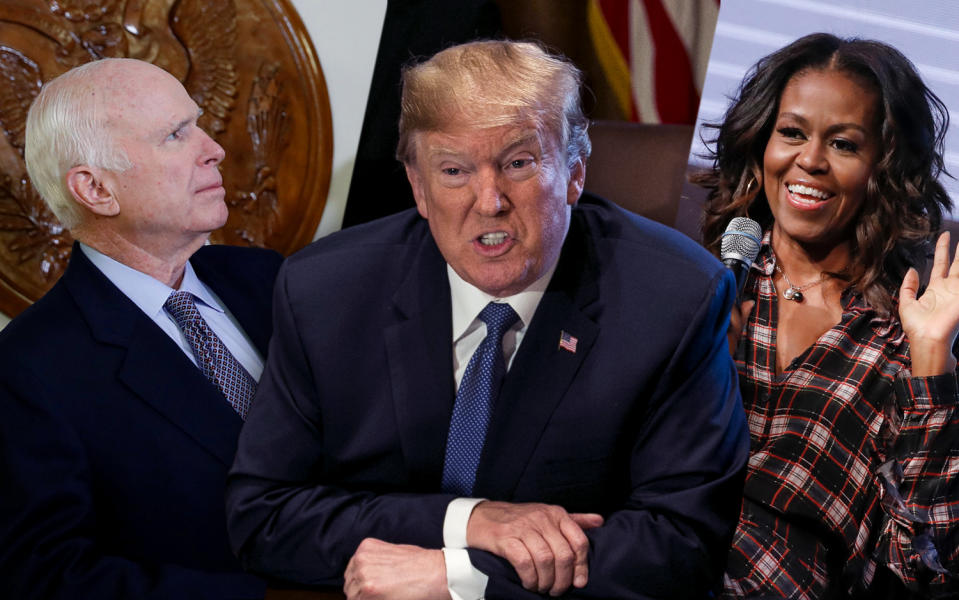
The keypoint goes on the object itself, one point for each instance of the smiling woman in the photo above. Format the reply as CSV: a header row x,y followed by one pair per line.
x,y
819,158
834,146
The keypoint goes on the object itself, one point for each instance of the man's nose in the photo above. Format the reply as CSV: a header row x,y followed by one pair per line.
x,y
213,153
491,198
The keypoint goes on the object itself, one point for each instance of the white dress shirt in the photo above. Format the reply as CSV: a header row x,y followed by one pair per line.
x,y
463,580
149,295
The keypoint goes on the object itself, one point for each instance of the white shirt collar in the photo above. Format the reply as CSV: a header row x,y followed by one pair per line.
x,y
468,300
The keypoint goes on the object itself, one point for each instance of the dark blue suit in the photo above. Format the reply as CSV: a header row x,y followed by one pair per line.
x,y
115,448
642,423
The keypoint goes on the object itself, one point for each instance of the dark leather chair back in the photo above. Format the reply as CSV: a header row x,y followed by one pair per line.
x,y
641,167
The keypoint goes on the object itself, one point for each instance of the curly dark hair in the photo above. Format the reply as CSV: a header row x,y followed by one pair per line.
x,y
904,201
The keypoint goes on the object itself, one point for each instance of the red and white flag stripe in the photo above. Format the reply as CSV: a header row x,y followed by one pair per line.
x,y
654,53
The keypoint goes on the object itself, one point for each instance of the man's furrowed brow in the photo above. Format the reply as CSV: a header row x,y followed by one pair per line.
x,y
522,140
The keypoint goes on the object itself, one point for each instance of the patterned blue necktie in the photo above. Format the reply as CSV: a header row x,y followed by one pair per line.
x,y
212,356
474,401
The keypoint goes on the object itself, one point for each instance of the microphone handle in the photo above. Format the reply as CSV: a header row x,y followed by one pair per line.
x,y
740,269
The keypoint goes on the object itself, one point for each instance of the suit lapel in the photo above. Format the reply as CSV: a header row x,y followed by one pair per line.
x,y
153,368
420,357
542,371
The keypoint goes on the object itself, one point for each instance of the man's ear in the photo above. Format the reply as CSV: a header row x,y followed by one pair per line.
x,y
419,194
87,187
577,178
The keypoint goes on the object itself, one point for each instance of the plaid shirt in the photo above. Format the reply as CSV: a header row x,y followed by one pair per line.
x,y
854,465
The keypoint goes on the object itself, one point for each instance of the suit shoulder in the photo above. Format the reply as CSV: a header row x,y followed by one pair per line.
x,y
651,242
238,257
44,324
237,267
383,237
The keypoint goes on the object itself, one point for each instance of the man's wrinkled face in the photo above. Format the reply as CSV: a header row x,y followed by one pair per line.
x,y
174,191
497,199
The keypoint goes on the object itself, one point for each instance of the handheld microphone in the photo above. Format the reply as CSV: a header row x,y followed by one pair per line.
x,y
740,247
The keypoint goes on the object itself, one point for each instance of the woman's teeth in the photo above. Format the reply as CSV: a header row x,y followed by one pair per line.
x,y
805,190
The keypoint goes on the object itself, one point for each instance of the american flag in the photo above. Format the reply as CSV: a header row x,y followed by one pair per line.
x,y
654,54
567,342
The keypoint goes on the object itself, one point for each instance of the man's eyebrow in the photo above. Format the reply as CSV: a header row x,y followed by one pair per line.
x,y
442,150
522,140
179,125
183,123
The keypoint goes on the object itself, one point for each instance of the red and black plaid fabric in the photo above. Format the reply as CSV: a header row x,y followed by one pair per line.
x,y
854,465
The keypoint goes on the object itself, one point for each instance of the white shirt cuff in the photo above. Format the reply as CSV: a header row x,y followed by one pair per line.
x,y
458,513
463,580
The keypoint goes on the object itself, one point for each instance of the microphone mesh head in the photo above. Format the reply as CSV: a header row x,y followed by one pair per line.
x,y
741,240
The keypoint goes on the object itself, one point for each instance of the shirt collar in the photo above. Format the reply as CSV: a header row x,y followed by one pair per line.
x,y
146,292
766,260
468,301
191,283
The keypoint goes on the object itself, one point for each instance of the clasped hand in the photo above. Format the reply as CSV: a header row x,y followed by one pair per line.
x,y
931,321
545,544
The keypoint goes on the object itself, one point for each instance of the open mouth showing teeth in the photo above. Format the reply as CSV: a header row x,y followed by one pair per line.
x,y
492,239
805,190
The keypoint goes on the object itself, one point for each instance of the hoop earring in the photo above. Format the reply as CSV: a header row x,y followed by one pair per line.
x,y
746,194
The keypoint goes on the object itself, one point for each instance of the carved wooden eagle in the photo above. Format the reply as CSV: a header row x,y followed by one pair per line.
x,y
161,31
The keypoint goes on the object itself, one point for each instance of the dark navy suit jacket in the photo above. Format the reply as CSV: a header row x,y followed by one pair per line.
x,y
115,447
642,423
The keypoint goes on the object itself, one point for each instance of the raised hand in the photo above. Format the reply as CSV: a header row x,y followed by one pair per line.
x,y
931,321
545,544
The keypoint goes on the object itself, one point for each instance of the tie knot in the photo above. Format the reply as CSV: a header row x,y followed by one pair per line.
x,y
498,316
181,306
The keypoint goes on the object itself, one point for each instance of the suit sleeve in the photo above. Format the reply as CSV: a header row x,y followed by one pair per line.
x,y
687,466
282,518
48,518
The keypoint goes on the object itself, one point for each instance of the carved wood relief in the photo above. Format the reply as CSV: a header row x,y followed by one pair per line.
x,y
248,63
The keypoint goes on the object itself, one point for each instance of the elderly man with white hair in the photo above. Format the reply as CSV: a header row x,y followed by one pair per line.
x,y
123,389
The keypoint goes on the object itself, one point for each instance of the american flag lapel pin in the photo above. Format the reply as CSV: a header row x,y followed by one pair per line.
x,y
567,342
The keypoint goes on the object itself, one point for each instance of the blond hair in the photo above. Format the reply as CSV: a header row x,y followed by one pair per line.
x,y
493,83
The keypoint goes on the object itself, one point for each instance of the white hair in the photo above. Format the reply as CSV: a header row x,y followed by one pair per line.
x,y
67,127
